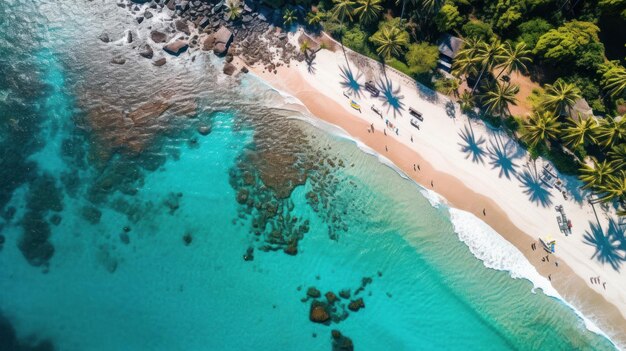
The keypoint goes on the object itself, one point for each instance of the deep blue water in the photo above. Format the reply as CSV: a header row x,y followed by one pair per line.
x,y
127,230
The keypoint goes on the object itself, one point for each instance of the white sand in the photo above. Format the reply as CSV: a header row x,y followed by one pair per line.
x,y
438,142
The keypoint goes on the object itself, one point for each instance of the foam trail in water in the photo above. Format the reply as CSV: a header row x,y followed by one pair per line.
x,y
497,253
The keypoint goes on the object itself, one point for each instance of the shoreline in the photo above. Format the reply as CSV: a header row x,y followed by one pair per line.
x,y
568,283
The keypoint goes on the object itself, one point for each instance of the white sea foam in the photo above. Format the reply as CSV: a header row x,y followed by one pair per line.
x,y
497,253
483,241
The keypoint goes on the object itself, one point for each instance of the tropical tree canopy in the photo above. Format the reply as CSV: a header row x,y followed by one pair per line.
x,y
560,97
342,9
368,10
596,176
422,57
580,132
498,97
390,41
514,58
541,127
614,80
575,42
612,131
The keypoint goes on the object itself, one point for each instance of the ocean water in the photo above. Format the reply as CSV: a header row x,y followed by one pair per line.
x,y
126,229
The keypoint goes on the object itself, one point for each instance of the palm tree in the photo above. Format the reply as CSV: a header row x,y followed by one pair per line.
x,y
234,10
289,17
612,130
615,187
541,127
486,56
580,132
368,10
560,97
497,98
342,9
390,41
314,18
514,58
466,100
596,176
617,155
614,81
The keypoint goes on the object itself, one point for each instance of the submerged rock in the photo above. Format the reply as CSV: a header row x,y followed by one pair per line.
x,y
104,37
34,243
341,342
313,292
204,130
249,255
118,60
187,239
318,313
356,305
91,214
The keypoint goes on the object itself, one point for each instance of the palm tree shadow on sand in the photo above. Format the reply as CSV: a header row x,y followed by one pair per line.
x,y
501,156
607,248
617,232
391,97
535,189
471,147
351,81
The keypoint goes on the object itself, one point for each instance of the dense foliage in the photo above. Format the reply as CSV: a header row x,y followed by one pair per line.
x,y
573,49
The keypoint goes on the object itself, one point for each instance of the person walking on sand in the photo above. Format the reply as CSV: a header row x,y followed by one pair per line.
x,y
385,131
432,185
414,169
411,138
484,212
550,277
418,167
386,148
604,285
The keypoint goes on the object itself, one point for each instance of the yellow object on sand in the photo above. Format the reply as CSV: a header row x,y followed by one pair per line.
x,y
355,105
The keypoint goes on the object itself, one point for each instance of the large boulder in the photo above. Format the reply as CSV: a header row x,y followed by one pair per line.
x,y
104,37
313,292
158,37
318,313
146,51
223,38
176,47
356,305
118,60
182,26
229,69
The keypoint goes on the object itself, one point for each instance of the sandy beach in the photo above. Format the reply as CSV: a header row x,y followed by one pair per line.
x,y
473,167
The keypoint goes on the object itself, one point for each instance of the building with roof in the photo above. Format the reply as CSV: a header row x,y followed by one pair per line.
x,y
449,47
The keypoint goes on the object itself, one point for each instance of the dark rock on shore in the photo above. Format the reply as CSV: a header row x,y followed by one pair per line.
x,y
147,14
182,26
318,313
158,37
159,62
146,51
118,60
244,69
104,37
229,69
177,47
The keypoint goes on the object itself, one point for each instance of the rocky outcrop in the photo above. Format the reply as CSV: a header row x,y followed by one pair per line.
x,y
182,26
104,37
356,305
222,39
146,51
313,292
176,47
229,69
158,37
341,342
118,60
318,313
159,62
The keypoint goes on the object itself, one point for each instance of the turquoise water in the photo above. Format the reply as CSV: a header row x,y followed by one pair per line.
x,y
149,250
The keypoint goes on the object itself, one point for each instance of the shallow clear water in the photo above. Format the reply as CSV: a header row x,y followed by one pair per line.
x,y
149,250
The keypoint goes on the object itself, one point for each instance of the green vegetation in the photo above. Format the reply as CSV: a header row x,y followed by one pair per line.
x,y
573,49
